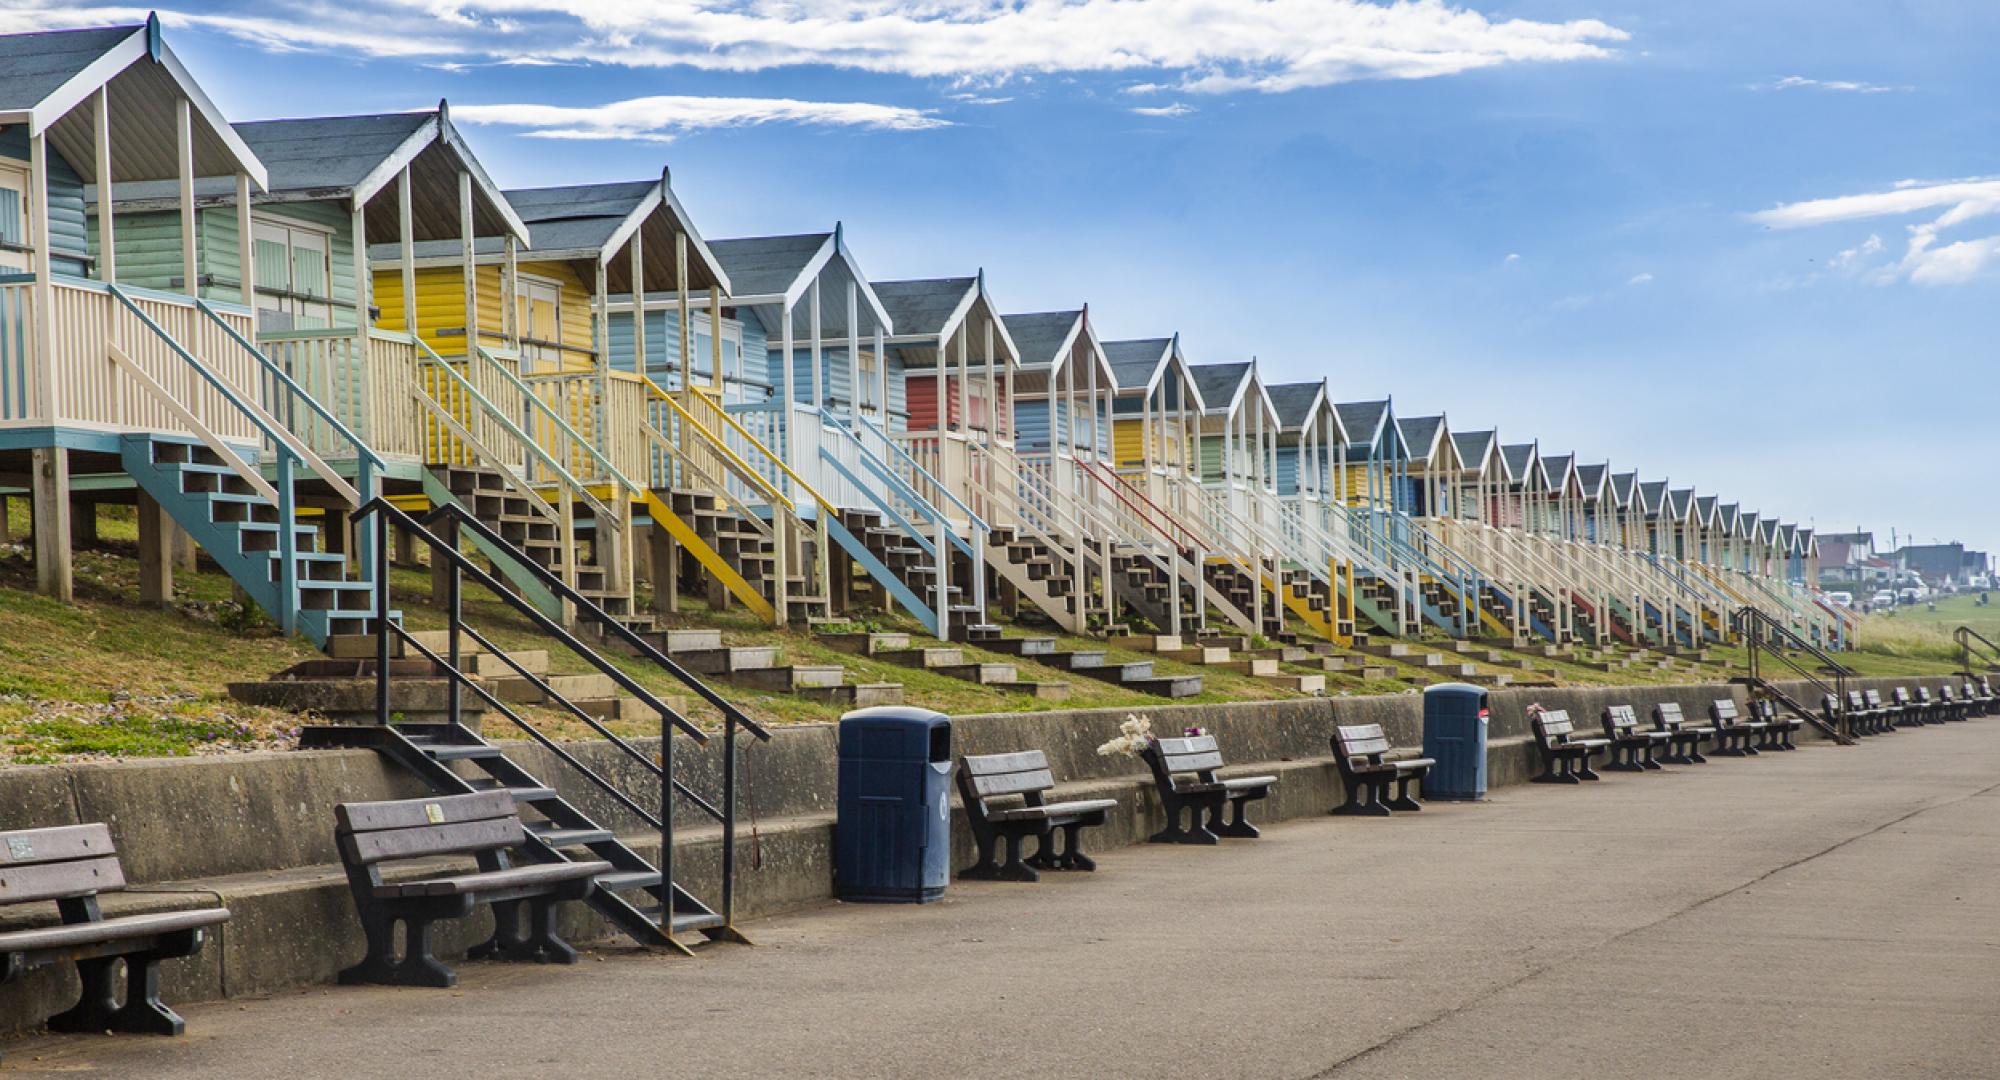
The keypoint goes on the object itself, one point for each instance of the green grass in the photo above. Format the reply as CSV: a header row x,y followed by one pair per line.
x,y
106,677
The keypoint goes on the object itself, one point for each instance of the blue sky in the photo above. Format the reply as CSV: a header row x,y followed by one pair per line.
x,y
1752,248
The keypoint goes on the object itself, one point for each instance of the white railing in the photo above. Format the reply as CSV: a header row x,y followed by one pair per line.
x,y
373,396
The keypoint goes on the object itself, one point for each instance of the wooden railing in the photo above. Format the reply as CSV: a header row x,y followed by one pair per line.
x,y
372,395
608,411
90,390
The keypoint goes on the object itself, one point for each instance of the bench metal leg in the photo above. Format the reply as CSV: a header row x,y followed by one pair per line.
x,y
1404,800
1624,758
1651,757
1174,834
418,967
1071,857
1014,869
1583,769
1365,798
93,1011
144,1013
549,948
1557,770
984,865
1238,826
508,942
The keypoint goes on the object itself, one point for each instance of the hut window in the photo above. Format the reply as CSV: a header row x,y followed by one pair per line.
x,y
14,249
539,301
294,277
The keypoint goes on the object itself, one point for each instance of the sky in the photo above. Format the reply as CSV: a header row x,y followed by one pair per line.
x,y
1752,248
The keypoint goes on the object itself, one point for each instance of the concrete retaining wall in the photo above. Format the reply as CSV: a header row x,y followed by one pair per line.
x,y
255,832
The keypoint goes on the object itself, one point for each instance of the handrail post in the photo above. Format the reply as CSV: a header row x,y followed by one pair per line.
x,y
455,616
667,826
729,767
288,545
382,630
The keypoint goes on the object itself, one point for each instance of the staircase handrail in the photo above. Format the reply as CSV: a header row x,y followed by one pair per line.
x,y
1753,623
897,448
370,464
562,426
1965,636
1169,528
737,465
513,429
1792,638
589,609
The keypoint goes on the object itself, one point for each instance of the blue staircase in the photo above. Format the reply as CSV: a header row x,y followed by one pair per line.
x,y
244,531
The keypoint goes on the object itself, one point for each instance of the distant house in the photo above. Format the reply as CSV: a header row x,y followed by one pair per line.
x,y
1938,564
1847,561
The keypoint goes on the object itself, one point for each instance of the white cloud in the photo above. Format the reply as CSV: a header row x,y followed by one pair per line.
x,y
1640,279
1800,82
1924,260
1513,258
1178,108
1197,45
661,119
1859,254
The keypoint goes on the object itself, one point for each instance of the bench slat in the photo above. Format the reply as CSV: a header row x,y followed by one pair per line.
x,y
538,874
118,929
1013,783
365,848
56,880
1186,763
1360,740
1193,744
991,764
64,842
413,813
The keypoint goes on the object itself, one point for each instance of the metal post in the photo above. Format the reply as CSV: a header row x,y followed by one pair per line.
x,y
455,616
382,630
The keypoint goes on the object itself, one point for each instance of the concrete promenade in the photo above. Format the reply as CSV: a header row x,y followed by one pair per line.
x,y
1827,913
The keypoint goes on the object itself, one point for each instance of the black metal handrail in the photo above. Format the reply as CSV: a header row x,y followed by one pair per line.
x,y
1758,629
1965,636
386,514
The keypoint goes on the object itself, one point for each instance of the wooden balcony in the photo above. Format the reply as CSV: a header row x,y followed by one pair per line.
x,y
78,385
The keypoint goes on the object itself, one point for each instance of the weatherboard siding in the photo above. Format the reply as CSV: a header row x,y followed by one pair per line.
x,y
69,244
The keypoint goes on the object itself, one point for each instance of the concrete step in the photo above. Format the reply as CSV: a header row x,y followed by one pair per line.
x,y
985,674
1041,691
1303,684
1198,654
362,646
1037,647
924,658
574,687
855,695
675,642
866,644
728,659
1262,668
790,678
1167,686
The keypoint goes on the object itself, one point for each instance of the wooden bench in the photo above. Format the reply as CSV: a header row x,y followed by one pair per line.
x,y
485,826
1934,709
1360,751
1734,735
1683,742
1184,775
1566,757
72,865
1024,775
1637,746
1779,729
1951,706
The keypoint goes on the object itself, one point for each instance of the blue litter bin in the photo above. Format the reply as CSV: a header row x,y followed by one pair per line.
x,y
1455,737
892,843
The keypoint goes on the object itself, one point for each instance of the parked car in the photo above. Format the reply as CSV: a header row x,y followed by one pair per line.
x,y
1883,599
1840,599
1910,596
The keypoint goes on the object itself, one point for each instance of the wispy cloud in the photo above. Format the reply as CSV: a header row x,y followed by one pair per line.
x,y
1178,108
1800,82
662,119
1194,45
1925,260
1639,279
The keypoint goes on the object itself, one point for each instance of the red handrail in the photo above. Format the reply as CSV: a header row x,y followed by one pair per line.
x,y
1176,533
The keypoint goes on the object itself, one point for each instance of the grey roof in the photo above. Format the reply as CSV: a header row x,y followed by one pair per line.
x,y
1218,383
1704,507
1591,479
1362,419
328,151
1652,494
1556,468
1040,335
1518,457
922,307
560,219
1473,446
33,66
1294,402
1419,432
1726,514
1622,484
1680,502
767,265
1134,361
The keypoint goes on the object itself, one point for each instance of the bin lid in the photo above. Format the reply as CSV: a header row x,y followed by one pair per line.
x,y
895,716
1454,689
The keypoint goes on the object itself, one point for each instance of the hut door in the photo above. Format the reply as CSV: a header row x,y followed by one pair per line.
x,y
541,325
14,250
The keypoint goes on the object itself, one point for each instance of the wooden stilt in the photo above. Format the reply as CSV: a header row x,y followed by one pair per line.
x,y
185,550
83,526
156,552
666,583
53,575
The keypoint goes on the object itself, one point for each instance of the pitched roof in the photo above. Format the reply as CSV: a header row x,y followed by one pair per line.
x,y
1135,361
1622,485
1044,336
1556,469
1474,446
1518,458
1421,435
1294,402
1592,479
1219,384
924,306
47,76
768,265
1362,420
1704,508
34,66
1652,496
